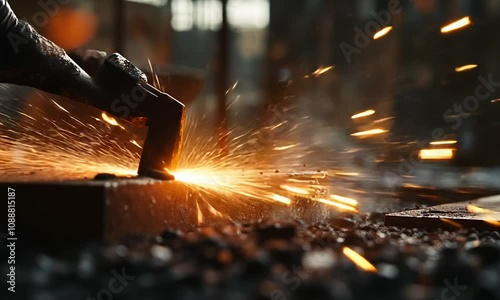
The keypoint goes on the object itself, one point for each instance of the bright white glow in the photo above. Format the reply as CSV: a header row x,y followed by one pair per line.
x,y
151,2
182,15
207,15
248,13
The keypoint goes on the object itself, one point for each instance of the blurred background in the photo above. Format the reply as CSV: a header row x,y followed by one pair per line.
x,y
373,79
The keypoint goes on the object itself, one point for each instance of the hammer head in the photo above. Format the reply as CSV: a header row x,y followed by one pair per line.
x,y
134,100
166,118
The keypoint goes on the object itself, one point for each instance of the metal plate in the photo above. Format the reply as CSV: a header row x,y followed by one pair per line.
x,y
451,216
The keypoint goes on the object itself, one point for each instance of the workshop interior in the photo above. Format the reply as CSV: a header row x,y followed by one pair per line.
x,y
250,149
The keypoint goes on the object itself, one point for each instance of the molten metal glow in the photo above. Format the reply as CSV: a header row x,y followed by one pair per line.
x,y
440,143
465,68
382,32
465,21
369,132
436,154
203,177
363,114
358,260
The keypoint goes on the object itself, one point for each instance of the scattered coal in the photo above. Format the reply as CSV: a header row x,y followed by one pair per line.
x,y
270,260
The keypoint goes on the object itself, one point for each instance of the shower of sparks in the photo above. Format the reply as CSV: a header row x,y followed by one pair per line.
x,y
51,143
247,172
60,146
358,260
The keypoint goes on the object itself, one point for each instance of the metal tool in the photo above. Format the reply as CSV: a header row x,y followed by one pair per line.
x,y
118,88
140,103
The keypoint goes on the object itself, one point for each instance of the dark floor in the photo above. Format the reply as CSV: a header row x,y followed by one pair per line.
x,y
268,260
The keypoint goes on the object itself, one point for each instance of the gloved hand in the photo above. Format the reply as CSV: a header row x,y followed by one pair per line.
x,y
27,58
89,60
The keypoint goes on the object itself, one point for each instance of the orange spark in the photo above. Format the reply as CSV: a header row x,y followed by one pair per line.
x,y
294,190
285,147
436,154
363,114
60,107
465,68
321,71
465,21
110,120
450,142
369,132
338,205
136,144
281,199
200,214
358,260
344,200
452,223
382,32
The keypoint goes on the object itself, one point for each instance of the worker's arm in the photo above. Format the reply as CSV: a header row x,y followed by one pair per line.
x,y
27,58
7,17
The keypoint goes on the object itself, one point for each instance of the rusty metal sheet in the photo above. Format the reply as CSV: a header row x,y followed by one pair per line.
x,y
482,214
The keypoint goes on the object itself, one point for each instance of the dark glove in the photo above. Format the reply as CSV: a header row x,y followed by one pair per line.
x,y
27,58
90,60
